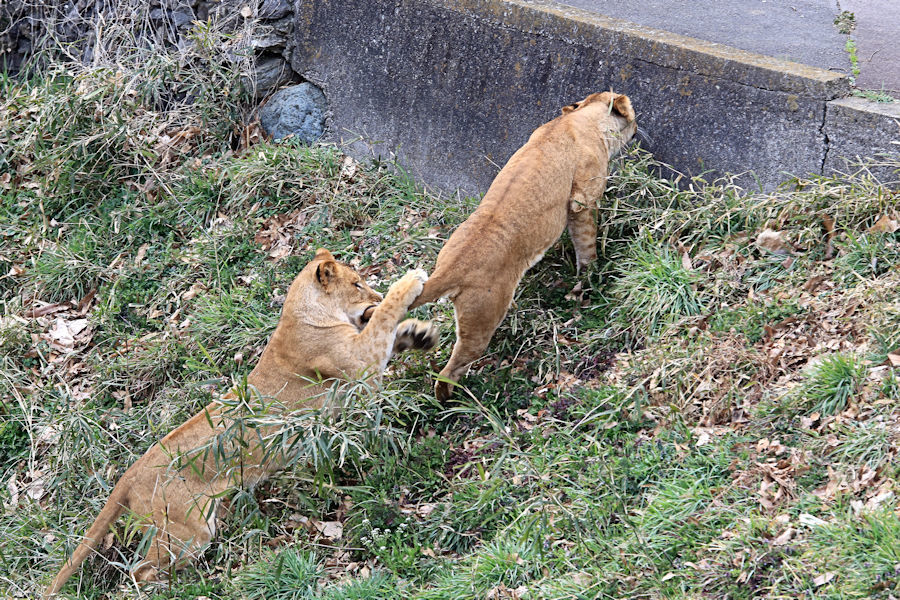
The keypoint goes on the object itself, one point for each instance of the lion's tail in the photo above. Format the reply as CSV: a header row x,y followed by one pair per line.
x,y
435,288
112,510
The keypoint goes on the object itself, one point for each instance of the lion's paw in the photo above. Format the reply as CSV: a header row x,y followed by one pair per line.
x,y
411,283
419,274
417,335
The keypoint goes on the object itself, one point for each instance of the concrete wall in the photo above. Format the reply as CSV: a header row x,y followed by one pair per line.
x,y
858,128
454,87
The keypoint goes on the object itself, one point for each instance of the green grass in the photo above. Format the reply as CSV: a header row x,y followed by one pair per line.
x,y
287,575
751,319
850,47
875,95
869,255
653,288
833,383
862,552
648,435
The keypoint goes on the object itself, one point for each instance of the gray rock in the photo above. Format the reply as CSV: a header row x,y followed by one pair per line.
x,y
274,9
271,71
183,17
273,35
298,110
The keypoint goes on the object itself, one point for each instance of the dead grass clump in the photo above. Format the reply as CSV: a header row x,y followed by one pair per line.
x,y
711,380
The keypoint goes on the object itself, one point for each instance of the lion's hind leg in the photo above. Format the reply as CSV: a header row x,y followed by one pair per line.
x,y
582,225
477,316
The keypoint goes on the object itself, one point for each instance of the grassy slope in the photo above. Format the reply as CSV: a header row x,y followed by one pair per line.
x,y
701,417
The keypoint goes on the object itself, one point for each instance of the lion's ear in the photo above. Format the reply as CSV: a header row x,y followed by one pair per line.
x,y
323,254
326,272
622,106
569,108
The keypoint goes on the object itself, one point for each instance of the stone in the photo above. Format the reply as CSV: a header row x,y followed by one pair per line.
x,y
273,35
274,9
271,72
183,17
857,129
298,110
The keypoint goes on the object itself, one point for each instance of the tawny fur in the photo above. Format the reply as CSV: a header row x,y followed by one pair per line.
x,y
321,335
552,182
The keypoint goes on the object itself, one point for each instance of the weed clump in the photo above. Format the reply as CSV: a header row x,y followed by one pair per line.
x,y
290,574
833,382
867,255
653,289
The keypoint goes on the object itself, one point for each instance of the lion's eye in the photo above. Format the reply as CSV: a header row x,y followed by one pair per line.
x,y
358,285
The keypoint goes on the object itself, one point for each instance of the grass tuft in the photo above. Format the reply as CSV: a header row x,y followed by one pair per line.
x,y
289,574
833,382
654,289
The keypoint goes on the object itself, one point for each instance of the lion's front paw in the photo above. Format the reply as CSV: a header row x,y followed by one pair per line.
x,y
416,278
419,274
416,334
411,283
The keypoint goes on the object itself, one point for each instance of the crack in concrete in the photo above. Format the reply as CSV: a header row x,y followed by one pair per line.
x,y
825,140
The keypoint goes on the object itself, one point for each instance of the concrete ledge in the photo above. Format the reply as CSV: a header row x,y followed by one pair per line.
x,y
859,128
454,87
662,48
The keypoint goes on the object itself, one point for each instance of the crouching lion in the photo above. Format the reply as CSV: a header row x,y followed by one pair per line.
x,y
555,180
321,336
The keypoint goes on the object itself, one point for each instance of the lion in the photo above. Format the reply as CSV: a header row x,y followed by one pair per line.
x,y
552,182
322,336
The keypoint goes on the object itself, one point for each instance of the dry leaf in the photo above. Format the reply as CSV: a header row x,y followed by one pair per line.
x,y
333,530
193,291
772,241
141,253
12,486
60,335
785,537
280,251
811,521
828,222
821,580
813,283
884,225
85,303
348,167
576,293
37,488
48,309
893,359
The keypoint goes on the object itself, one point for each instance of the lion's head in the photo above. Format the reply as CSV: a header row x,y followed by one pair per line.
x,y
326,289
615,111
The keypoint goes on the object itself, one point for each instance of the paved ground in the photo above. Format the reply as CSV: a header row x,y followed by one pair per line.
x,y
877,36
799,30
